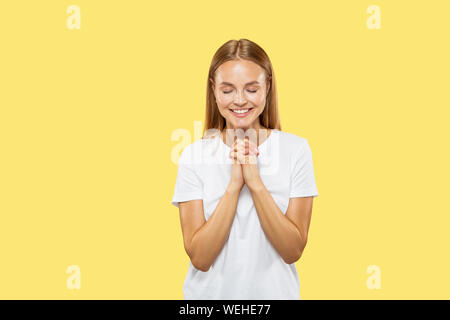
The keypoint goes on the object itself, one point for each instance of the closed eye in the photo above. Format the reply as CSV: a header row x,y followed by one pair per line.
x,y
251,91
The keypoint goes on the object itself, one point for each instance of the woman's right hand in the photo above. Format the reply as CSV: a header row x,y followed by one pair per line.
x,y
237,176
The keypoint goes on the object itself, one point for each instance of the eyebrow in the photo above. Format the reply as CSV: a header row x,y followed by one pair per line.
x,y
230,84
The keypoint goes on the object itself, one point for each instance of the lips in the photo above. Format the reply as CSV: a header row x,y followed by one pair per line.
x,y
242,112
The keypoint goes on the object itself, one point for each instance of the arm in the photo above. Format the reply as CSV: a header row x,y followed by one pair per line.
x,y
287,233
203,240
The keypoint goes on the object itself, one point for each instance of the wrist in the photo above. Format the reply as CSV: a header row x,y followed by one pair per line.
x,y
255,184
234,188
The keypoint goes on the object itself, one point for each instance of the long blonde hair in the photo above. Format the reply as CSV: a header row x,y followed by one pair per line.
x,y
247,50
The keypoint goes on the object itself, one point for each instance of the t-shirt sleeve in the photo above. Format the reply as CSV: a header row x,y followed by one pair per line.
x,y
188,185
303,182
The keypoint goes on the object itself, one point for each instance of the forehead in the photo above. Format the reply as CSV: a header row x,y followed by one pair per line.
x,y
239,72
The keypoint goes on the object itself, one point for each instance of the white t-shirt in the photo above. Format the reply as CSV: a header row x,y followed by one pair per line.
x,y
248,266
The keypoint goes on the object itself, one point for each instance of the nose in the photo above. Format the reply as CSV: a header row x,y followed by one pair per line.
x,y
239,98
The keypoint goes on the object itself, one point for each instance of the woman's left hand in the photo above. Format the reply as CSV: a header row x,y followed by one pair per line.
x,y
246,152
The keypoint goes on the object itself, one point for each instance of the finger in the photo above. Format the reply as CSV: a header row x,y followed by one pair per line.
x,y
251,159
248,150
245,150
247,140
251,148
233,155
234,158
252,144
239,148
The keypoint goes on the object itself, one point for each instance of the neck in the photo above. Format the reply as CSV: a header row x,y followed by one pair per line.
x,y
229,132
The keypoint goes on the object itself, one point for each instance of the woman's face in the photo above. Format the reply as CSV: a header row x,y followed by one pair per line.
x,y
241,86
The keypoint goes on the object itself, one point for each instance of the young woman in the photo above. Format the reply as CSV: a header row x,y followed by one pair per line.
x,y
245,191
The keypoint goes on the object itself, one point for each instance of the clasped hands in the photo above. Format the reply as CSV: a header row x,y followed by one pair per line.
x,y
244,170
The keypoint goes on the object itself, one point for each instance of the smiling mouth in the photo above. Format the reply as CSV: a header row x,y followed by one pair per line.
x,y
241,112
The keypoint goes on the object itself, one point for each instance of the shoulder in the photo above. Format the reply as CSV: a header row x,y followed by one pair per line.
x,y
293,142
195,151
295,147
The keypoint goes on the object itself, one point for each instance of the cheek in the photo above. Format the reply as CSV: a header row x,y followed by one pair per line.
x,y
223,99
258,100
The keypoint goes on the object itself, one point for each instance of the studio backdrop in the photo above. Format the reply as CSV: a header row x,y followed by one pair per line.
x,y
99,98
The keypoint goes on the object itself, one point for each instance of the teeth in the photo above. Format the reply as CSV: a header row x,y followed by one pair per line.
x,y
241,111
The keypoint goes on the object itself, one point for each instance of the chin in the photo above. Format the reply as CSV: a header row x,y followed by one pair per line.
x,y
242,124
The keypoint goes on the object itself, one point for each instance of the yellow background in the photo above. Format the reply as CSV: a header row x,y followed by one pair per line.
x,y
86,118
